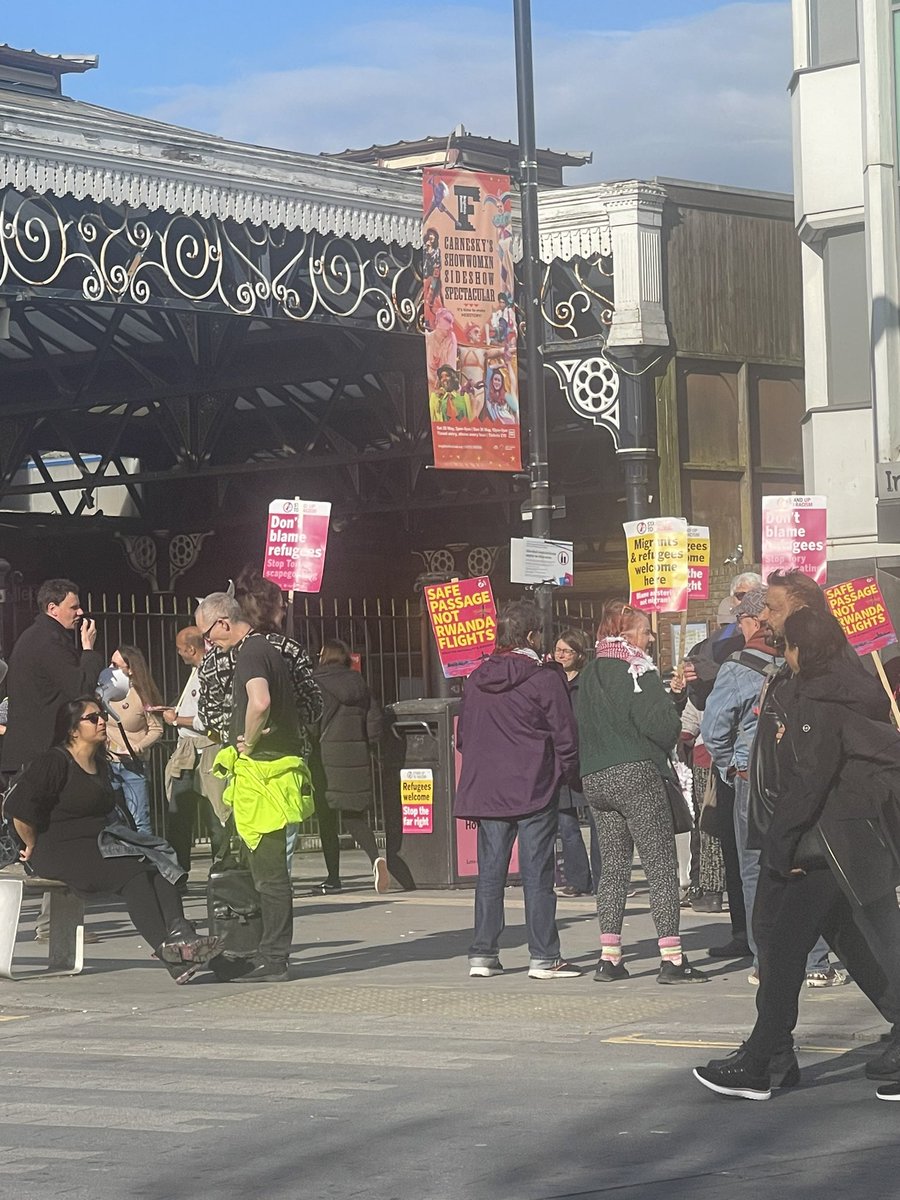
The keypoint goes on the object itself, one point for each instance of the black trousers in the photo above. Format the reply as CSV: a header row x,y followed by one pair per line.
x,y
357,825
181,822
725,833
154,906
788,917
268,866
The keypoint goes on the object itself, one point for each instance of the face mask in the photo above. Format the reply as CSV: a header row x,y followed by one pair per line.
x,y
112,685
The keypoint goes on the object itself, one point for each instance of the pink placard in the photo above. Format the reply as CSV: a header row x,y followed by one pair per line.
x,y
464,619
296,541
795,536
862,612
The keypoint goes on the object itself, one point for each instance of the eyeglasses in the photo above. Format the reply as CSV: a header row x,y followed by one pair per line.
x,y
94,718
207,632
566,653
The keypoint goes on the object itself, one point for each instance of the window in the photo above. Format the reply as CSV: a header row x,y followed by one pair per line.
x,y
833,36
740,439
847,320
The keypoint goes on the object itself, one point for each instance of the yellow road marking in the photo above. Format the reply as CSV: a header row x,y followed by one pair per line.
x,y
637,1039
21,1018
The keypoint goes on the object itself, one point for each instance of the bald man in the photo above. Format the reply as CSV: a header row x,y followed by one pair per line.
x,y
189,780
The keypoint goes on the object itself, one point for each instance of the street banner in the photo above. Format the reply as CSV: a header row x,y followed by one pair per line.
x,y
417,799
470,320
541,560
698,562
658,563
862,612
296,540
794,536
464,619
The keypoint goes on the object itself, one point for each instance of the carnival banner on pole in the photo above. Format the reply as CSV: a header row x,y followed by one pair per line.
x,y
470,320
658,563
464,619
698,562
296,540
862,612
794,536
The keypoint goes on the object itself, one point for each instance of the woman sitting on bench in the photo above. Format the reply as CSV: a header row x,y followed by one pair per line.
x,y
62,802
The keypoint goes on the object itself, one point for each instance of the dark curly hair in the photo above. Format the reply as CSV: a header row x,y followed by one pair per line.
x,y
817,638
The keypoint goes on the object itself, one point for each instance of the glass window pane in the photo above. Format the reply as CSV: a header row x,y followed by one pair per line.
x,y
832,32
780,409
711,418
717,503
847,319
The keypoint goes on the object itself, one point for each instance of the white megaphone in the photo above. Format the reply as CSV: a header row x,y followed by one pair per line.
x,y
112,685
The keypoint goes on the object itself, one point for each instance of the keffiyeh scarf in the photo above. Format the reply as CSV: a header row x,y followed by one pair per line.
x,y
639,663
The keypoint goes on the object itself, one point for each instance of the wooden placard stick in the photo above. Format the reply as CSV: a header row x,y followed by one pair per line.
x,y
879,667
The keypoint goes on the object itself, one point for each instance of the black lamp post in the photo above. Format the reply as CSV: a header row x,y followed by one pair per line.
x,y
538,449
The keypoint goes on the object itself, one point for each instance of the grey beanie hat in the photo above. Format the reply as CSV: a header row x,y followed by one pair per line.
x,y
751,605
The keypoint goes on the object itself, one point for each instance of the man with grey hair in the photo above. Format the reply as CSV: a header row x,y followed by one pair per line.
x,y
266,797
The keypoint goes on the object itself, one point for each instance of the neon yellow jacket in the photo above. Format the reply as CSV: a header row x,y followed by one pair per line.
x,y
264,795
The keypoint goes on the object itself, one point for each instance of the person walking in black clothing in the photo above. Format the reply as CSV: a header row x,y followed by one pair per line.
x,y
350,727
826,867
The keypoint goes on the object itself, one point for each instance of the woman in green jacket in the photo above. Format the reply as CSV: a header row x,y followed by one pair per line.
x,y
627,730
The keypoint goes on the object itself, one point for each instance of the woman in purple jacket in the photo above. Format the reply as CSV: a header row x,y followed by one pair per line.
x,y
518,741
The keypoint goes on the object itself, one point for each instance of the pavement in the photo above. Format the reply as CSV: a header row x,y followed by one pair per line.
x,y
382,1069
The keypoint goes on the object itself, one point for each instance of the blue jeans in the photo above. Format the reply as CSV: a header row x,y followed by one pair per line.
x,y
575,859
818,956
537,836
137,794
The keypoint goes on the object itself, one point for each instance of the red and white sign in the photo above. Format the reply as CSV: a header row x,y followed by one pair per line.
x,y
417,799
296,540
794,536
698,549
862,612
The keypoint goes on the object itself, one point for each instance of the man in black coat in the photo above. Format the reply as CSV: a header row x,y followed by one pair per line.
x,y
54,660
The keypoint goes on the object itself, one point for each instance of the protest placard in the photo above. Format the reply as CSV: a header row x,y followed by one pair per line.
x,y
862,612
698,549
794,535
464,619
658,563
296,540
417,799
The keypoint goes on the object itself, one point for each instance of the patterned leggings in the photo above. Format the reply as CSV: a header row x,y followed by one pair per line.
x,y
631,809
712,864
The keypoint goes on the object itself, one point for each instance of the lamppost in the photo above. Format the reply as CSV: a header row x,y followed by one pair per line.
x,y
538,442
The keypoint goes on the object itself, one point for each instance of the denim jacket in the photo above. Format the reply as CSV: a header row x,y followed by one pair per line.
x,y
731,713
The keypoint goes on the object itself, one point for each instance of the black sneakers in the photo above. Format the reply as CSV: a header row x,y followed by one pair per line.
x,y
682,973
609,972
888,1091
887,1064
736,948
738,1075
266,971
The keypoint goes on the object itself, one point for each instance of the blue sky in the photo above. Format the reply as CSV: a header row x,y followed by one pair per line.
x,y
689,88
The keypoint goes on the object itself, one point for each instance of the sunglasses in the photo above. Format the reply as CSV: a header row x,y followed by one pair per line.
x,y
207,632
94,718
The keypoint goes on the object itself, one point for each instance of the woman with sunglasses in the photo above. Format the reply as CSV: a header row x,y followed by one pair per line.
x,y
62,802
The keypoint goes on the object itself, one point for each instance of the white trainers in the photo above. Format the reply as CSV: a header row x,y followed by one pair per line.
x,y
488,971
559,970
381,876
830,977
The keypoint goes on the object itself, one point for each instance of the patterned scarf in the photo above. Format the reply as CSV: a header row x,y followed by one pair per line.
x,y
639,663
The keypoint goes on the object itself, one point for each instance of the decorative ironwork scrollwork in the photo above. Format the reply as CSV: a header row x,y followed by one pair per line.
x,y
102,253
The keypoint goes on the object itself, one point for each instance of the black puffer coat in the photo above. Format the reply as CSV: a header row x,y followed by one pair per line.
x,y
827,792
351,722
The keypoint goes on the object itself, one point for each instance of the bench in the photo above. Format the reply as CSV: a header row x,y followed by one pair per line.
x,y
66,913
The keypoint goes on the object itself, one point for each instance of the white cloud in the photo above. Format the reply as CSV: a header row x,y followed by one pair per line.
x,y
702,98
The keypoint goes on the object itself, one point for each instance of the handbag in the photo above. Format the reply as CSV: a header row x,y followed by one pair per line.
x,y
131,762
682,817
